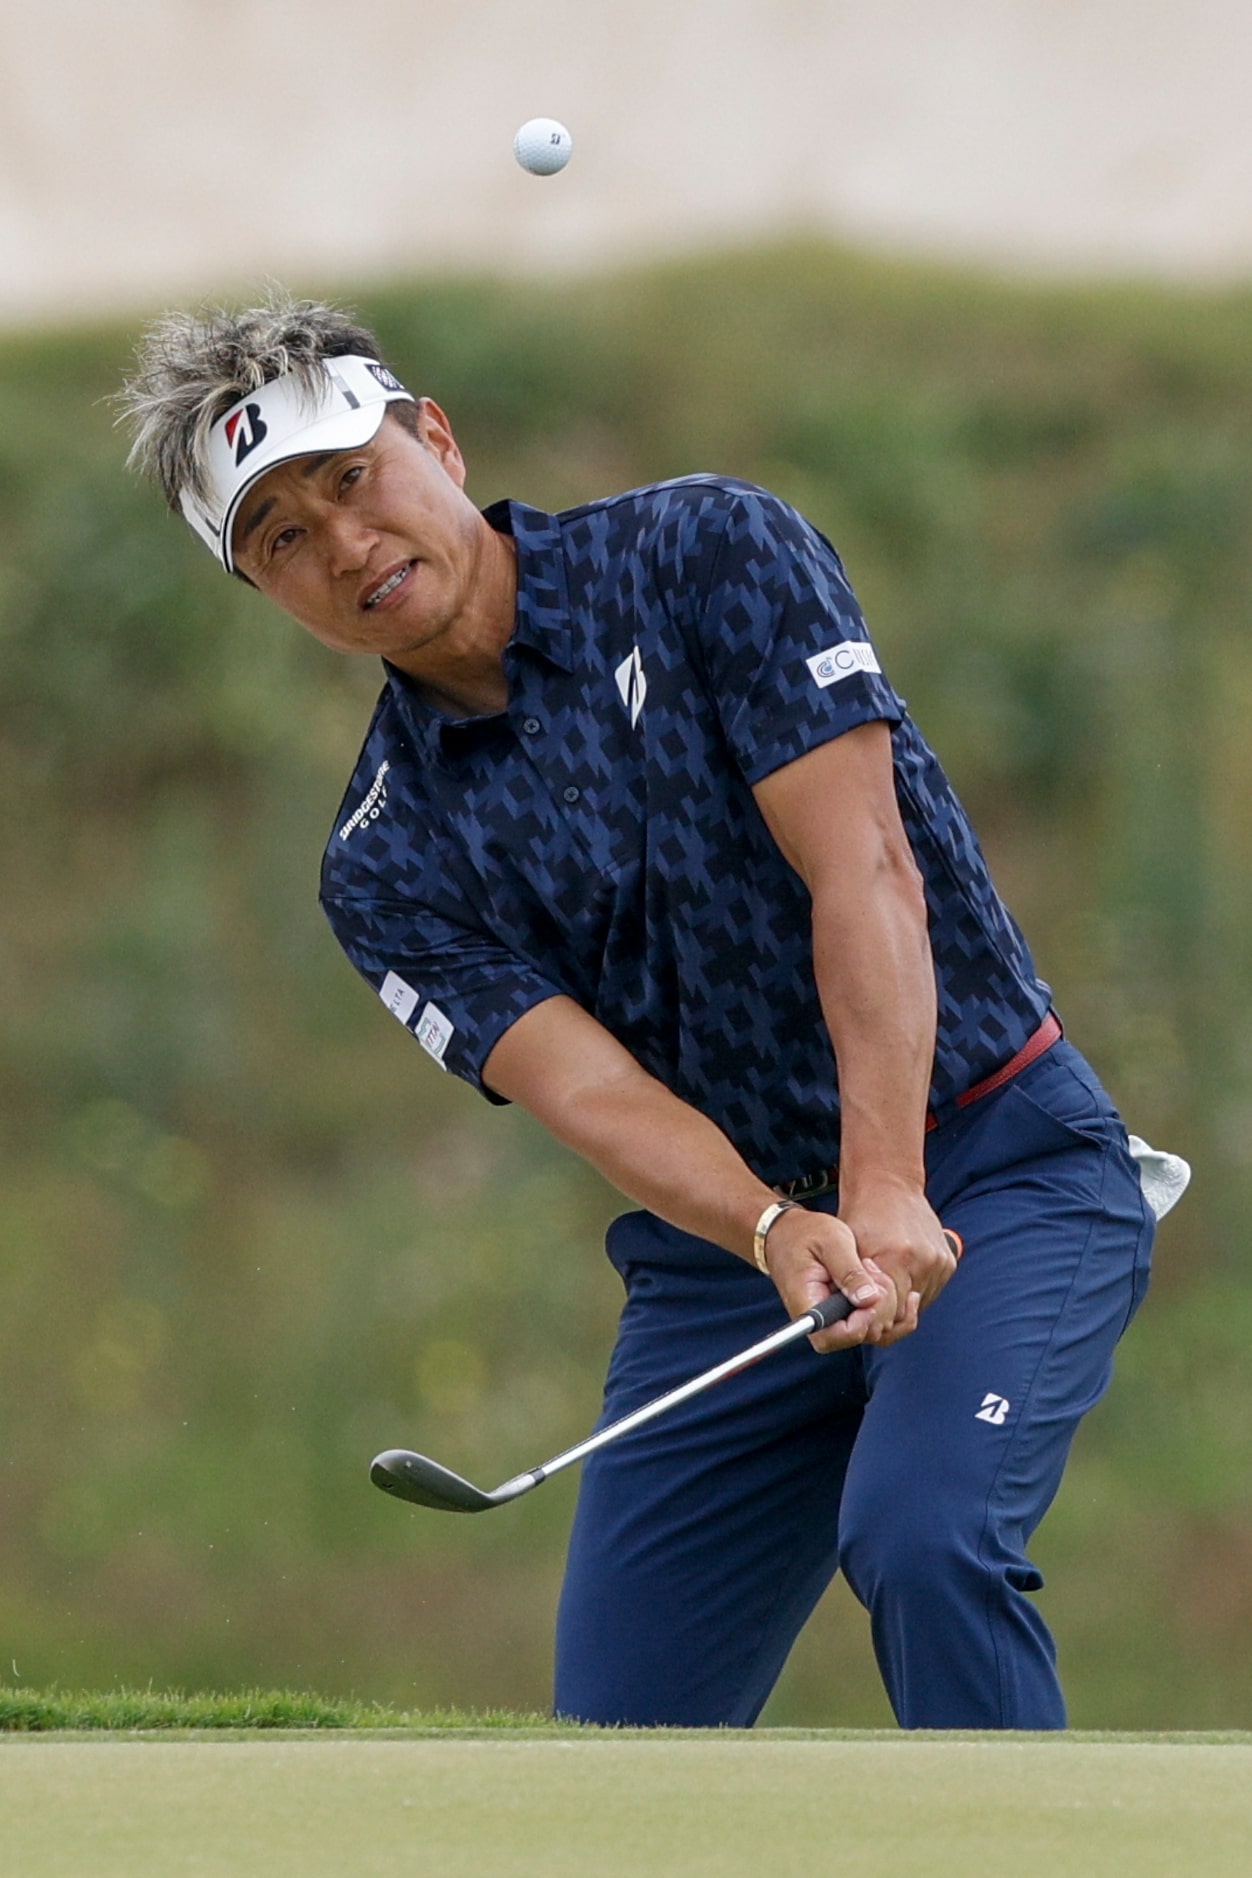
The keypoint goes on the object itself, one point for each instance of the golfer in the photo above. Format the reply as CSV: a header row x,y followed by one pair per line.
x,y
642,837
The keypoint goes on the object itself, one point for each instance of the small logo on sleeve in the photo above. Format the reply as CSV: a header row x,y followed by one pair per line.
x,y
842,661
400,999
995,1409
632,685
434,1032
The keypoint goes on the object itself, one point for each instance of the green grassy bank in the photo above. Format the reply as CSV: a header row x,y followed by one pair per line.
x,y
149,1711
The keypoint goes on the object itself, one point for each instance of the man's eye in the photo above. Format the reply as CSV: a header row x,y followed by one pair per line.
x,y
350,475
283,539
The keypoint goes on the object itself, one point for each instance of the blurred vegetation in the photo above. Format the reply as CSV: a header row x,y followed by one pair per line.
x,y
250,1235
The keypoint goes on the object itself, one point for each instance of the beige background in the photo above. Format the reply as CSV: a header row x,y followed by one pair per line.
x,y
167,147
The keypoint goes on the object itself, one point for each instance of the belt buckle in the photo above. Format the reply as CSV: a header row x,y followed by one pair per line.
x,y
810,1186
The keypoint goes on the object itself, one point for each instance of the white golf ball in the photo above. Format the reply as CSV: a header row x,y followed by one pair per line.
x,y
543,146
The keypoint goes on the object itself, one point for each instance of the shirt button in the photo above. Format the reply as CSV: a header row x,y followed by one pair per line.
x,y
531,726
571,793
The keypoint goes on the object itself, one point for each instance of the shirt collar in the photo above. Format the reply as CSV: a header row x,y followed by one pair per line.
x,y
542,594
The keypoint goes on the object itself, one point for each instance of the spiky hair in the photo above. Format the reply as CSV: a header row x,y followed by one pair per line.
x,y
190,367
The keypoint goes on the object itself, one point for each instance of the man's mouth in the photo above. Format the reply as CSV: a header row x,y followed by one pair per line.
x,y
388,586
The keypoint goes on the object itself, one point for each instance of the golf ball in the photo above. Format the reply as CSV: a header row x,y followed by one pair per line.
x,y
542,146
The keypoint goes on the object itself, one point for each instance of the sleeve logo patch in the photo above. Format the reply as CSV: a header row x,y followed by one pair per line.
x,y
842,661
400,999
434,1032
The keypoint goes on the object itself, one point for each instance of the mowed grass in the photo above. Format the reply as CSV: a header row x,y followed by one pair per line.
x,y
510,1797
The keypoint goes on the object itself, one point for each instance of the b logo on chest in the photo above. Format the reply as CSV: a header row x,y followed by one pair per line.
x,y
632,685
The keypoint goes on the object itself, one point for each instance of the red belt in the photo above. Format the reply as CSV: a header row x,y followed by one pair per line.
x,y
810,1186
1047,1034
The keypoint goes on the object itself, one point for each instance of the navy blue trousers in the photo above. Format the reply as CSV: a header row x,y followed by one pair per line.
x,y
702,1542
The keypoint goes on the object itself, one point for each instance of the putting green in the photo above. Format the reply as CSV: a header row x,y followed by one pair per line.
x,y
622,1807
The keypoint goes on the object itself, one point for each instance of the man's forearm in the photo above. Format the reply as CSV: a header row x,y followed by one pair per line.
x,y
835,816
563,1066
875,976
592,1095
669,1158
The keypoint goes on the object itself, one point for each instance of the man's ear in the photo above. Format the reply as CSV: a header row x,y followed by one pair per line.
x,y
428,423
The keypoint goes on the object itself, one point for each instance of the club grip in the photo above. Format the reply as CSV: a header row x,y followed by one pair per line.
x,y
831,1310
836,1307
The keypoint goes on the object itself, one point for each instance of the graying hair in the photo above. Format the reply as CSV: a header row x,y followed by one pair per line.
x,y
190,367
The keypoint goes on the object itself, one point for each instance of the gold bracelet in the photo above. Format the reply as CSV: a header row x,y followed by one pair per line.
x,y
763,1225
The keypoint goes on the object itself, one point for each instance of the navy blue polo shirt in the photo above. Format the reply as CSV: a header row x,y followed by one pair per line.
x,y
599,837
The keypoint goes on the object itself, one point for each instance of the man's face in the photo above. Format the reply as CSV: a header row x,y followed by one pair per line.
x,y
373,550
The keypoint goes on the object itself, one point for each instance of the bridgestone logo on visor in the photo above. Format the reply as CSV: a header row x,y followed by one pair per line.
x,y
842,661
245,430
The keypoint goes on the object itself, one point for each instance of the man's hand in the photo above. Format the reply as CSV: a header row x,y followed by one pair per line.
x,y
898,1233
812,1254
891,1257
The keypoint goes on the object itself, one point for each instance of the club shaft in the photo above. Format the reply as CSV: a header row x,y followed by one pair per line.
x,y
799,1327
416,1477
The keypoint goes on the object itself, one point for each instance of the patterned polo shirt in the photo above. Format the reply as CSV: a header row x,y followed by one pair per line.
x,y
599,837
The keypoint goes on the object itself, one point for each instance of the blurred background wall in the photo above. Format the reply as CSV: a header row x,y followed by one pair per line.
x,y
248,1233
176,146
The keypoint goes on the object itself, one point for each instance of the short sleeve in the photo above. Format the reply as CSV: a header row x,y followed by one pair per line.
x,y
782,638
456,991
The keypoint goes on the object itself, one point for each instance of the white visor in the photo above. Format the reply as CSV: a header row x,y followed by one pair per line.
x,y
280,421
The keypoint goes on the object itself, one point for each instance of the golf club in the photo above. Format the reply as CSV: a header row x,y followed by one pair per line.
x,y
414,1477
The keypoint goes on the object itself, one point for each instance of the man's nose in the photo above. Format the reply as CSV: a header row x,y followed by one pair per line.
x,y
350,540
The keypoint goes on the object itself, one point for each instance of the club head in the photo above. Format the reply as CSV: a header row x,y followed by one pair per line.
x,y
425,1483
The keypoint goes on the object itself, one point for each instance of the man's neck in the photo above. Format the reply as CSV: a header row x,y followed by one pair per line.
x,y
463,673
